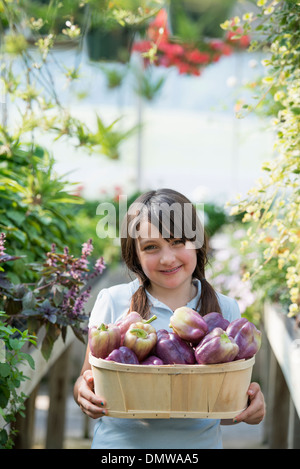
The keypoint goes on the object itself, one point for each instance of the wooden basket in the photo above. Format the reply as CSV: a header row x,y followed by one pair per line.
x,y
173,391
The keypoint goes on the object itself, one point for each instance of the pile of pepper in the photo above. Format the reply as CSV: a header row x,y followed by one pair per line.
x,y
193,340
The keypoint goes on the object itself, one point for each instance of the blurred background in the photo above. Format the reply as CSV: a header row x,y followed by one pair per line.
x,y
101,101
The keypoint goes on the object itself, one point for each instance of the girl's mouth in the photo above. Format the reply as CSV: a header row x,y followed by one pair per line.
x,y
171,271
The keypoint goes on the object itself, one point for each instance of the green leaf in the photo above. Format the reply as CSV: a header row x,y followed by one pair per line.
x,y
28,301
4,396
3,438
52,334
29,359
15,344
4,370
295,110
17,216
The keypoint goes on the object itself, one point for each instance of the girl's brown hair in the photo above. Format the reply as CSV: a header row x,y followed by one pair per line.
x,y
208,301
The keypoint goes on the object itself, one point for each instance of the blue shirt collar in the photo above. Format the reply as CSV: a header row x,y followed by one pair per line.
x,y
191,304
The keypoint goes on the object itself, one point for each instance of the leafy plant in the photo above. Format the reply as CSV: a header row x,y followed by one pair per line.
x,y
272,206
147,85
109,139
192,19
36,207
56,301
12,341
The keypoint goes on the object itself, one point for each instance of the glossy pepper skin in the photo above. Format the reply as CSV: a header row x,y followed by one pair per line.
x,y
215,320
188,324
216,347
247,337
152,360
141,338
234,327
125,322
171,349
123,355
103,339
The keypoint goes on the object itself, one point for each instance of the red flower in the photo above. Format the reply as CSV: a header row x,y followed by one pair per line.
x,y
243,41
171,50
158,28
187,59
142,46
222,47
197,57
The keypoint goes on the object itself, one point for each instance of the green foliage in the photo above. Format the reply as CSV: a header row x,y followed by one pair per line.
x,y
272,206
54,14
191,20
36,208
147,85
215,218
130,13
12,341
56,300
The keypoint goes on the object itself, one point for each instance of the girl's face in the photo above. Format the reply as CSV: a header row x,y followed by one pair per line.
x,y
168,263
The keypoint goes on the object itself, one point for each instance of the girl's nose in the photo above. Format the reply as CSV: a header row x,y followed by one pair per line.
x,y
167,256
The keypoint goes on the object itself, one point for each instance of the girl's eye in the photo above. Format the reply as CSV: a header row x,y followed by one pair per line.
x,y
150,247
178,242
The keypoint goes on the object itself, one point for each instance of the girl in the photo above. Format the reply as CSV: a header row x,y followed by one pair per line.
x,y
163,244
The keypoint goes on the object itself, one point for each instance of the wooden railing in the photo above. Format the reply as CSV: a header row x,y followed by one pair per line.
x,y
280,375
56,369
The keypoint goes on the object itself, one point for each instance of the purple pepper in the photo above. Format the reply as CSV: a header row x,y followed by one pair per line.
x,y
123,355
171,349
233,328
247,337
215,320
103,339
216,347
152,360
188,324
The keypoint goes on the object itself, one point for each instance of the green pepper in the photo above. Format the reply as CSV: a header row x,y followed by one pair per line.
x,y
141,338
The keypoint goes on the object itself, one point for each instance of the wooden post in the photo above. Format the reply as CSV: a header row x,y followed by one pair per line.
x,y
25,425
58,389
294,428
278,405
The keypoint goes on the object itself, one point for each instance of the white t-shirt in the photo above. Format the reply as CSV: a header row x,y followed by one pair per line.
x,y
119,433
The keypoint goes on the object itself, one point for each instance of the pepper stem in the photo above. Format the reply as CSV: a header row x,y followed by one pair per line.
x,y
150,320
225,337
139,333
102,327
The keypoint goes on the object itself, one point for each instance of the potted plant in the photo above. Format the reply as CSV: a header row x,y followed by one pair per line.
x,y
112,31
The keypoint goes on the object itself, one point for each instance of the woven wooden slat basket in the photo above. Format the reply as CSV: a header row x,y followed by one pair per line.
x,y
173,391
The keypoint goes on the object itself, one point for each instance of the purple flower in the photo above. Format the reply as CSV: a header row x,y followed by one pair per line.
x,y
80,301
2,243
87,248
100,265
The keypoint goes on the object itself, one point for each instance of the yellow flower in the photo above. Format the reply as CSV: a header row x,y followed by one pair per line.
x,y
244,244
293,309
246,277
294,293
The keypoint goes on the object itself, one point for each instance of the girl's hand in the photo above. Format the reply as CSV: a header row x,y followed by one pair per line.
x,y
90,404
256,409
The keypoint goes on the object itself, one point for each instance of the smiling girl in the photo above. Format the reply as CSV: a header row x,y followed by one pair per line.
x,y
164,245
